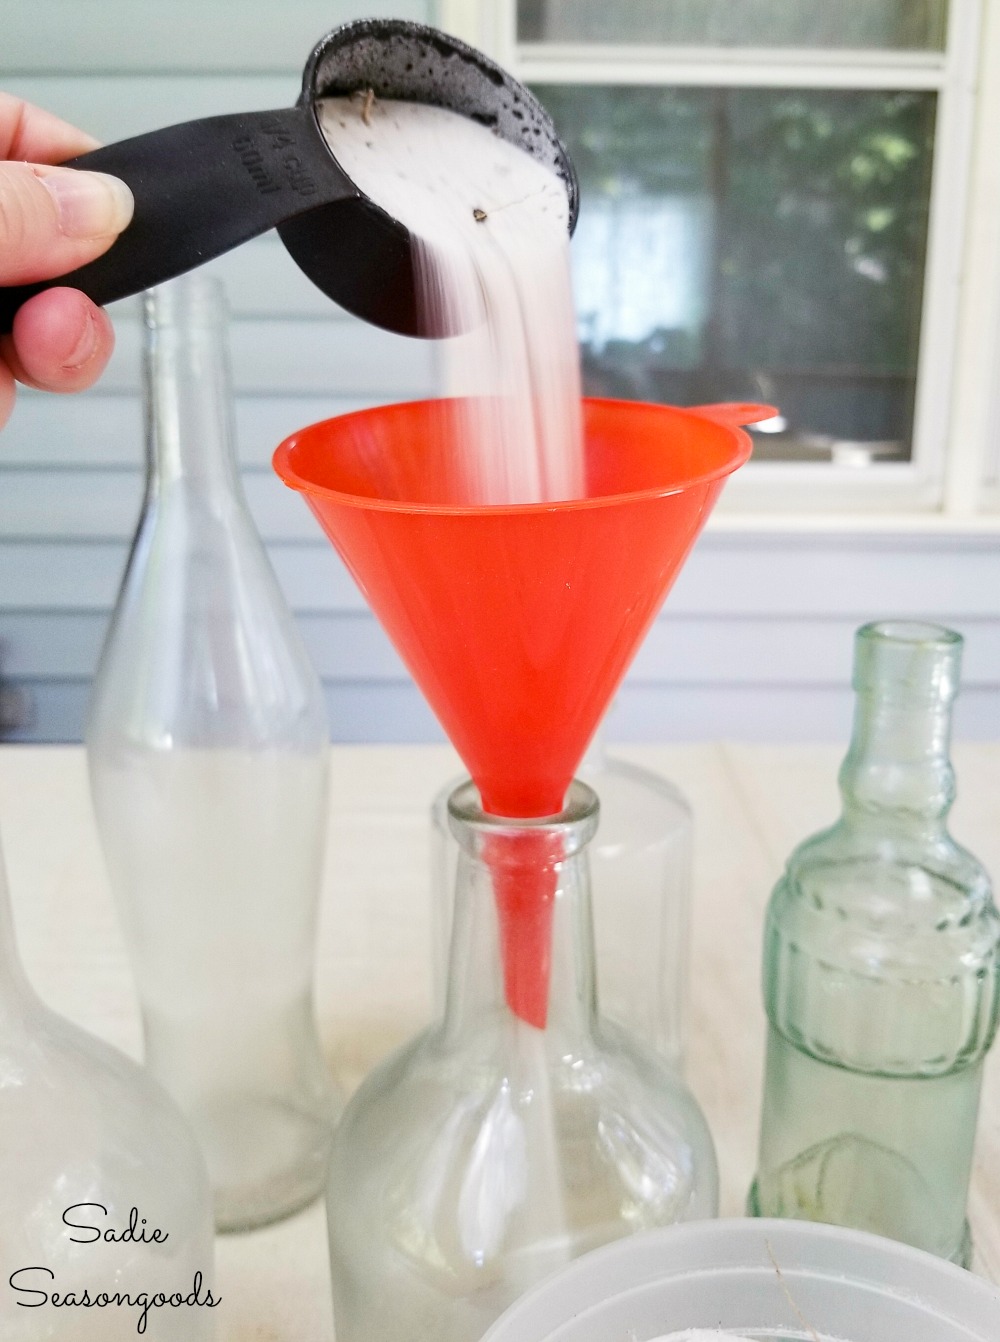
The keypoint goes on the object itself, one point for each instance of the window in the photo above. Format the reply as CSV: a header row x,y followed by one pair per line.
x,y
903,25
776,201
755,244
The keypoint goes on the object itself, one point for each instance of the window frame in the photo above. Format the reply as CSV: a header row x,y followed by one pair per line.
x,y
957,410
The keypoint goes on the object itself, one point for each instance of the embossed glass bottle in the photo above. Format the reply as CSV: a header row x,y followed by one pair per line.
x,y
640,877
208,749
487,1152
86,1135
881,972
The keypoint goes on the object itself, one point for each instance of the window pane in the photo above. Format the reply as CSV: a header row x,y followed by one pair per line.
x,y
901,24
754,244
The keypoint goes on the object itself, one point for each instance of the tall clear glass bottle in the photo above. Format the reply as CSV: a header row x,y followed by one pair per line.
x,y
881,974
640,876
487,1152
86,1135
208,750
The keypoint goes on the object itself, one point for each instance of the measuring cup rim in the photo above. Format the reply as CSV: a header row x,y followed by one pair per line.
x,y
347,34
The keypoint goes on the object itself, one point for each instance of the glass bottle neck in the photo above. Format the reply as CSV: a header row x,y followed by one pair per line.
x,y
897,773
189,427
898,764
522,935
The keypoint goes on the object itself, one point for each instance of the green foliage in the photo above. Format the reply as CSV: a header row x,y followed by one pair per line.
x,y
823,223
818,209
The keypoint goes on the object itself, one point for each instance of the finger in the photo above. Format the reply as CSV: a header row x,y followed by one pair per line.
x,y
28,132
60,341
6,393
55,219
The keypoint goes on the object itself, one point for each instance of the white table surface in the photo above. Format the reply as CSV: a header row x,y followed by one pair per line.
x,y
752,804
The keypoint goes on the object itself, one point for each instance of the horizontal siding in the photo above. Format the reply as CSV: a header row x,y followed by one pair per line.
x,y
357,712
81,575
724,659
182,35
341,357
116,106
727,576
57,504
656,713
680,650
394,711
106,430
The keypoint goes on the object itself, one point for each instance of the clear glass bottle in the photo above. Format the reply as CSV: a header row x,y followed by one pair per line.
x,y
881,973
640,878
208,751
86,1135
487,1152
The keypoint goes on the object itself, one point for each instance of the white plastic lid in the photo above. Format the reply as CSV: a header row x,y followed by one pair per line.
x,y
714,1275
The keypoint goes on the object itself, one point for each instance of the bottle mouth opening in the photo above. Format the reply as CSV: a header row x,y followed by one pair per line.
x,y
911,633
907,661
524,858
575,823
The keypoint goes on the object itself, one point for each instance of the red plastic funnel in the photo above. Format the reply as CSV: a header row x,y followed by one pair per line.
x,y
517,622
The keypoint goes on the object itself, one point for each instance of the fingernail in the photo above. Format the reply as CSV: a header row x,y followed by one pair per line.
x,y
89,204
86,346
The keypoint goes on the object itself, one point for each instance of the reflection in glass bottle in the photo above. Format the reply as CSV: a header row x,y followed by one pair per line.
x,y
488,1152
86,1133
881,974
208,749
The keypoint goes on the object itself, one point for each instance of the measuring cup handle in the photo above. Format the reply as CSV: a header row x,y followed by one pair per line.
x,y
200,188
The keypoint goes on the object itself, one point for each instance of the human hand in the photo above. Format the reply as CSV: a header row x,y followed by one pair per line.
x,y
51,221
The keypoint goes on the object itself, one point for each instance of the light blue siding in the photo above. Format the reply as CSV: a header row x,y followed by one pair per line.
x,y
235,36
755,642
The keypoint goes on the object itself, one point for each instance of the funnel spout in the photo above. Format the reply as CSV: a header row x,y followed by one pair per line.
x,y
524,867
525,862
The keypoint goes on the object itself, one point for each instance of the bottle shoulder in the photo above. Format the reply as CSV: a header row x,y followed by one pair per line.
x,y
859,871
82,1108
209,548
884,967
626,785
449,1104
899,903
203,648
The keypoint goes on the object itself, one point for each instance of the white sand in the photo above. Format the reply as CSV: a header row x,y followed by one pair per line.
x,y
492,259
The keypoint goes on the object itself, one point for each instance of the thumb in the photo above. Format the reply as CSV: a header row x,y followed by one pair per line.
x,y
55,219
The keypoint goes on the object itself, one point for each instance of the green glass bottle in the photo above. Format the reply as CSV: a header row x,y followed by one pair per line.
x,y
881,974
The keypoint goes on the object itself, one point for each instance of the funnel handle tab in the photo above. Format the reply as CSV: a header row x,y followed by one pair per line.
x,y
734,415
200,188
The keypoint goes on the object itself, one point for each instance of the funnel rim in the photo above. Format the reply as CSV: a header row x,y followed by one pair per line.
x,y
281,461
579,811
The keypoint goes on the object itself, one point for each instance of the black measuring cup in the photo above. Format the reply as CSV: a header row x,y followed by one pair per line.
x,y
205,186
